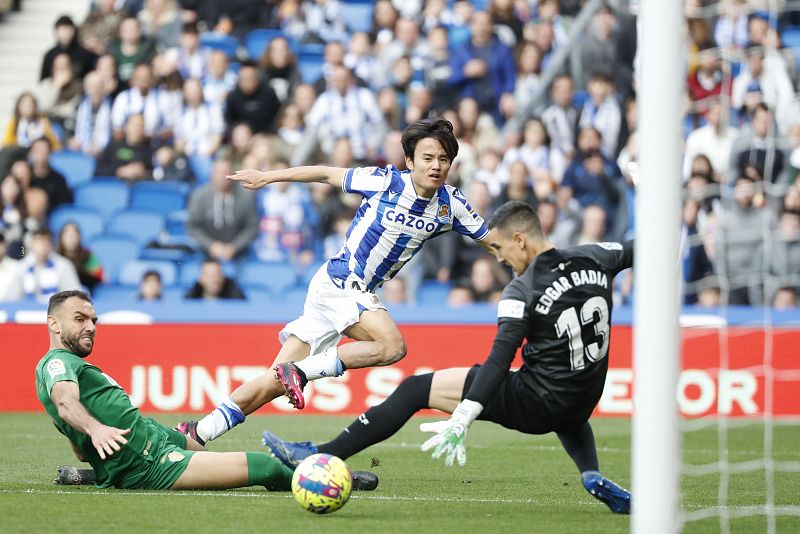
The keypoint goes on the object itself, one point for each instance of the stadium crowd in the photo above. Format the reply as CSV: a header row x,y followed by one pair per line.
x,y
165,98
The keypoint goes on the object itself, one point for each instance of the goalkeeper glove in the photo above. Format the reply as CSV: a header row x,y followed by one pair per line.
x,y
451,434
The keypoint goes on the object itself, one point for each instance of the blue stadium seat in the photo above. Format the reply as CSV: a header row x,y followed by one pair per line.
x,y
431,292
143,226
176,222
89,221
294,296
76,167
220,41
201,167
171,254
309,272
790,37
579,98
311,49
310,67
256,41
258,294
114,251
274,276
174,293
132,272
105,196
190,270
164,198
357,16
115,293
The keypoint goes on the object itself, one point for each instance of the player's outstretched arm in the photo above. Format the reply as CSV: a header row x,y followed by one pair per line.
x,y
106,439
255,179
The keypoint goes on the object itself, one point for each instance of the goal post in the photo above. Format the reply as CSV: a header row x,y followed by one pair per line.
x,y
656,464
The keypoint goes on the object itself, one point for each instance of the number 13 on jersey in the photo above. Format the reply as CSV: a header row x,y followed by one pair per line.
x,y
570,323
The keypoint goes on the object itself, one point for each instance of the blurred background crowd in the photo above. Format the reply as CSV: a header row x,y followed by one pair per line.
x,y
113,164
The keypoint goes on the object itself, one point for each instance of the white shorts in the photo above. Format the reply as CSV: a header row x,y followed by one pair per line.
x,y
329,311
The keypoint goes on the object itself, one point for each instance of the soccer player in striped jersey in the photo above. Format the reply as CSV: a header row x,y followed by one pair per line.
x,y
400,210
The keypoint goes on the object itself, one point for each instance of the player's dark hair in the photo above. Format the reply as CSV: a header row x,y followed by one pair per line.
x,y
517,216
61,297
434,126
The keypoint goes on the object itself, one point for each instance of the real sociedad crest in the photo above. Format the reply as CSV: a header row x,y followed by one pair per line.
x,y
443,215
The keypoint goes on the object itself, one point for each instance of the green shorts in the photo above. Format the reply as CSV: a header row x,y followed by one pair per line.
x,y
164,463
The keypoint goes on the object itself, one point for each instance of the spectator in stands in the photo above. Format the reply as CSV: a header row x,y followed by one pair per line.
x,y
437,69
190,59
93,120
758,147
290,131
484,69
150,287
161,21
407,43
738,245
785,260
529,69
130,158
280,68
593,228
384,20
730,31
252,101
8,270
324,21
714,140
287,224
766,74
394,292
199,127
67,42
707,83
359,57
486,279
219,79
42,272
101,26
12,218
598,48
506,23
107,69
131,48
561,116
460,295
517,188
144,99
28,124
559,226
222,219
87,265
45,177
234,17
344,110
785,298
212,284
60,94
602,112
332,56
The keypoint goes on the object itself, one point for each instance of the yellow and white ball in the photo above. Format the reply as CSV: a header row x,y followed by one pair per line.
x,y
322,483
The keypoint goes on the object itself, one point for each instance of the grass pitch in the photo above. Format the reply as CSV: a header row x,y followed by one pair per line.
x,y
511,483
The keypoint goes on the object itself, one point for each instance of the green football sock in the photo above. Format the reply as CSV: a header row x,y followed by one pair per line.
x,y
264,470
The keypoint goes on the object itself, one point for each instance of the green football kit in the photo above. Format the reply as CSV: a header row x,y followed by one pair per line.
x,y
155,456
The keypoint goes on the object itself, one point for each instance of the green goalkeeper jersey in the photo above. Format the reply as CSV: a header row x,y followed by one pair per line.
x,y
107,402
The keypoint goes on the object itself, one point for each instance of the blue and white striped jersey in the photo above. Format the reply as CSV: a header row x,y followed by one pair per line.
x,y
393,222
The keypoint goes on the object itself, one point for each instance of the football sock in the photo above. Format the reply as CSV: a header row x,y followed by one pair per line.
x,y
580,446
224,417
323,364
383,420
264,470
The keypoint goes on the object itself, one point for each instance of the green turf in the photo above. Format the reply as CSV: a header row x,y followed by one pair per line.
x,y
511,483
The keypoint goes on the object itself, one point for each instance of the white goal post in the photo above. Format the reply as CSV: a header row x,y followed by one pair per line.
x,y
656,465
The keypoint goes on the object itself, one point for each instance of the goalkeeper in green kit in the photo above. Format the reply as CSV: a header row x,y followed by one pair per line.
x,y
126,449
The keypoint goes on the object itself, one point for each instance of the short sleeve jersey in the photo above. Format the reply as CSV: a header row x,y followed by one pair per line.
x,y
564,299
106,401
393,223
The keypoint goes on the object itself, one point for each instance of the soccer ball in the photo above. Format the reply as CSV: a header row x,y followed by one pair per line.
x,y
322,483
